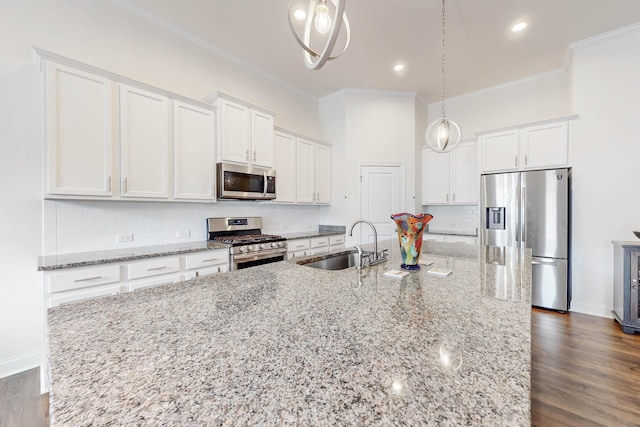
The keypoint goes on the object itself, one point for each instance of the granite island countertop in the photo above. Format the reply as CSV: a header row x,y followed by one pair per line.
x,y
284,344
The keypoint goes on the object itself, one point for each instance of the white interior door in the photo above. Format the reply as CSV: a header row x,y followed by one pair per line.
x,y
382,195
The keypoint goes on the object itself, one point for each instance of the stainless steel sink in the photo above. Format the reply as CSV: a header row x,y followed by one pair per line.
x,y
338,261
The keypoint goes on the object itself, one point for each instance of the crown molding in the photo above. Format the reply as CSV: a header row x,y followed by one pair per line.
x,y
610,35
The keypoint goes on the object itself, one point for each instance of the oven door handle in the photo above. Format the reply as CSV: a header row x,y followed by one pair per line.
x,y
264,187
259,255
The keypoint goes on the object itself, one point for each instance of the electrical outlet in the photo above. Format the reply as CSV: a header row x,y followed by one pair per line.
x,y
183,233
123,238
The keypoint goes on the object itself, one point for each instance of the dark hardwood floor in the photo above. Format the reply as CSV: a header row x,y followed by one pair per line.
x,y
585,372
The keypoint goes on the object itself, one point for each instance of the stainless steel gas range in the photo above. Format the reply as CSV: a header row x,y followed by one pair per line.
x,y
249,247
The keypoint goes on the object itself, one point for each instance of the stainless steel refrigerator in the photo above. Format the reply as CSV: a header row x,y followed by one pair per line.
x,y
531,209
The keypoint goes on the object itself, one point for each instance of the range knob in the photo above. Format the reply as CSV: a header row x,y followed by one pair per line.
x,y
261,246
242,249
275,244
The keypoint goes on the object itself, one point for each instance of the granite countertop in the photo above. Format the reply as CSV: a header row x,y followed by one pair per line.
x,y
54,262
284,344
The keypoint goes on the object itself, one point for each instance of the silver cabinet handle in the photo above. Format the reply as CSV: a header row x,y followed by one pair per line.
x,y
254,156
109,184
525,160
516,161
447,197
210,260
87,279
454,197
156,268
125,185
246,154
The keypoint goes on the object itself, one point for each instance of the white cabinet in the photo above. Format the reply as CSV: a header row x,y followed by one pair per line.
x,y
144,143
336,242
313,172
450,178
206,263
285,166
78,132
245,133
79,284
460,239
429,237
539,145
298,248
194,172
322,168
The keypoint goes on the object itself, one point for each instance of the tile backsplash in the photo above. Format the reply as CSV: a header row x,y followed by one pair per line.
x,y
85,226
460,218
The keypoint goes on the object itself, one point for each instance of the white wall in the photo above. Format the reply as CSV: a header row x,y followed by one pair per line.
x,y
606,153
20,221
367,127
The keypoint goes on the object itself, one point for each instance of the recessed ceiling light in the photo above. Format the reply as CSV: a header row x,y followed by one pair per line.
x,y
300,14
519,27
398,67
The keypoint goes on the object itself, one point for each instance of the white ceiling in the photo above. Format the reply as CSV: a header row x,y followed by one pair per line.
x,y
481,50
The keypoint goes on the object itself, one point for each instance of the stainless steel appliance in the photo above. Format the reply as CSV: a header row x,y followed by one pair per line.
x,y
245,182
249,247
531,209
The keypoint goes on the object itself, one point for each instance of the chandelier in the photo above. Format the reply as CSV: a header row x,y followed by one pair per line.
x,y
443,135
327,29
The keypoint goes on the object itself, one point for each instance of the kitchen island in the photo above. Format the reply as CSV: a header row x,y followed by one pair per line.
x,y
285,344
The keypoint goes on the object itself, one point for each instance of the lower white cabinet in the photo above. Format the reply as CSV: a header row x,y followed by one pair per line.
x,y
336,242
298,248
205,264
80,284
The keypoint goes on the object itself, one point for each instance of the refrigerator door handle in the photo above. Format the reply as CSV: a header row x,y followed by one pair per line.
x,y
550,263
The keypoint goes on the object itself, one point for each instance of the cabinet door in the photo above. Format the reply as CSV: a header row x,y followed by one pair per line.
x,y
499,151
435,177
465,179
545,145
261,139
235,132
194,170
285,165
79,132
305,174
323,174
144,143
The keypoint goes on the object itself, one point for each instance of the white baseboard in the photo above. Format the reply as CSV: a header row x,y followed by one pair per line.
x,y
19,364
594,310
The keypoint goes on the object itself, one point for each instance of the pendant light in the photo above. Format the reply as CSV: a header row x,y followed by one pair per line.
x,y
319,18
443,135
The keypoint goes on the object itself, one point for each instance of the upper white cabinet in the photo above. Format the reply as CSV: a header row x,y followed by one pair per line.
x,y
285,166
107,138
245,132
194,172
79,132
450,178
144,143
303,169
532,146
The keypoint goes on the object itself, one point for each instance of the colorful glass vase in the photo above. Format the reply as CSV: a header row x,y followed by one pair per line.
x,y
410,229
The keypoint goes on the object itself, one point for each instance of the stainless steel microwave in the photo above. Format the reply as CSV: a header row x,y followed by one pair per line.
x,y
245,182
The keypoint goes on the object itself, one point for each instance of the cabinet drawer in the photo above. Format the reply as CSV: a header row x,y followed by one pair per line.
x,y
152,267
149,283
320,242
321,250
336,240
55,300
206,259
83,278
297,245
210,271
299,254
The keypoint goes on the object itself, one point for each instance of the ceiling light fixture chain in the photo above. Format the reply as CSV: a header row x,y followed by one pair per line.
x,y
443,135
